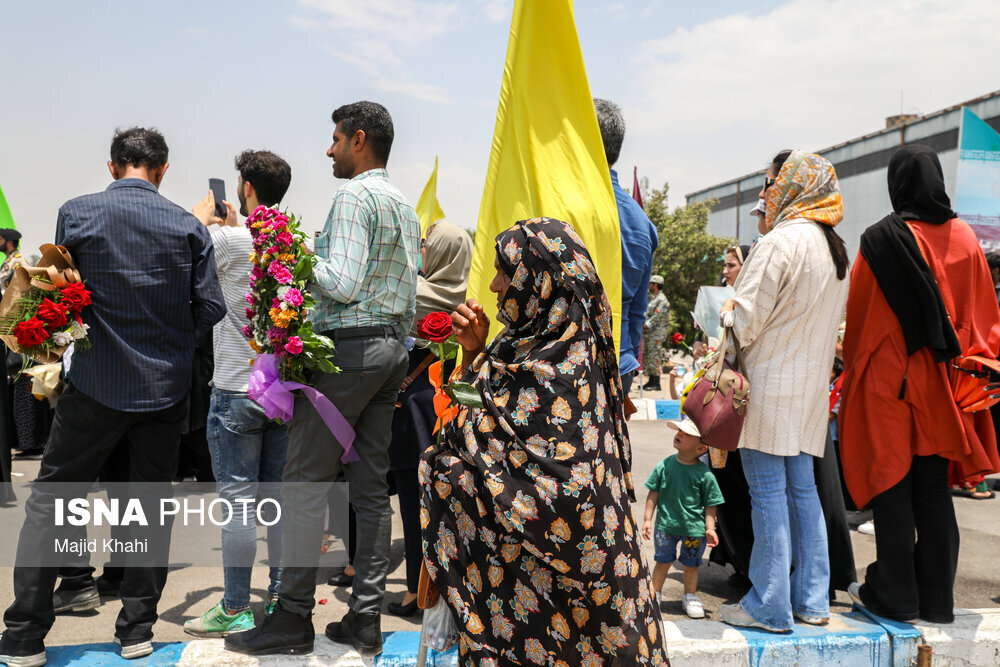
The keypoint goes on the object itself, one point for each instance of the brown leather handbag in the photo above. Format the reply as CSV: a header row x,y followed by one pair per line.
x,y
717,401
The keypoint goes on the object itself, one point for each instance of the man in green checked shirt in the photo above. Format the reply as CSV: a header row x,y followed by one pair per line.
x,y
365,283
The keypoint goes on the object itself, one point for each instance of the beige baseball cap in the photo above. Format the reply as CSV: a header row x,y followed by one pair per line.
x,y
656,280
685,425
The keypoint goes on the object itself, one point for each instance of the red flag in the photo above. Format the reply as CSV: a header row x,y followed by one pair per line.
x,y
636,195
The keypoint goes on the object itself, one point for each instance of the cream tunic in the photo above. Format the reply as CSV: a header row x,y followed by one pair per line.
x,y
789,305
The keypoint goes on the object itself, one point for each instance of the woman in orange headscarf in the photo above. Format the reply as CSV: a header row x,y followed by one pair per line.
x,y
920,295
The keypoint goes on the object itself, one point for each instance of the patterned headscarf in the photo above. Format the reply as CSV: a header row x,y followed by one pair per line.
x,y
526,517
806,187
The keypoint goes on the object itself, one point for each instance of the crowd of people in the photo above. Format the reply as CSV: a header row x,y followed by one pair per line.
x,y
519,511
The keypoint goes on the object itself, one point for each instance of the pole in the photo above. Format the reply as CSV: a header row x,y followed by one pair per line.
x,y
422,652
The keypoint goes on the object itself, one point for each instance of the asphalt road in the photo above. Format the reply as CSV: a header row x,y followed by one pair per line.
x,y
191,590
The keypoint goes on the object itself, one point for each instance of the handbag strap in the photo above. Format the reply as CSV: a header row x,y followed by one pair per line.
x,y
719,362
408,380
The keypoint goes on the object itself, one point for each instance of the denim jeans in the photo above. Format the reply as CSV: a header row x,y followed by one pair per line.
x,y
789,536
248,455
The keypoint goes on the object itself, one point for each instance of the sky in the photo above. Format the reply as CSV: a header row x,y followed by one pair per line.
x,y
709,90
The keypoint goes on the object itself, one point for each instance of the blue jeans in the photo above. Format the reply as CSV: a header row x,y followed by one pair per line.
x,y
789,535
248,451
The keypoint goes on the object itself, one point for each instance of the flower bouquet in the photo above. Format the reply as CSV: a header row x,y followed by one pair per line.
x,y
277,303
288,349
448,396
40,311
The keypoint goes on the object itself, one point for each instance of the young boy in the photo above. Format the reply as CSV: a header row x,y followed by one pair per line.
x,y
684,493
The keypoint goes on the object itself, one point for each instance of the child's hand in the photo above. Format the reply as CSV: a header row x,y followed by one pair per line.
x,y
712,538
647,530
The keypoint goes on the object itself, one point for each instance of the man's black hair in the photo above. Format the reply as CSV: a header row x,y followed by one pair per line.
x,y
140,147
269,174
373,119
993,260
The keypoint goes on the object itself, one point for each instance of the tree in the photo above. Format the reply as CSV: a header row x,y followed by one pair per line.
x,y
687,256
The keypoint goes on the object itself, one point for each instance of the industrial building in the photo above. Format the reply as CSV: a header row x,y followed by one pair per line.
x,y
861,166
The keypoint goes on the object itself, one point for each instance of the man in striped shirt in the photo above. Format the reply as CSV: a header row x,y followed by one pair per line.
x,y
151,269
248,449
365,285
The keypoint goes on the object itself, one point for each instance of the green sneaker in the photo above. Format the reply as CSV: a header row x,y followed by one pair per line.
x,y
217,623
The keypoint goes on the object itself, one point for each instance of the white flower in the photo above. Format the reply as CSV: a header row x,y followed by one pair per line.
x,y
79,331
284,306
62,338
283,290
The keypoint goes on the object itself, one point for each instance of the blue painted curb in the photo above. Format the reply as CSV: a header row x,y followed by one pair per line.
x,y
400,648
99,655
668,409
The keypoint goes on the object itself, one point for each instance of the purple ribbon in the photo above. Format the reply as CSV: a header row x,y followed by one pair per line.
x,y
275,396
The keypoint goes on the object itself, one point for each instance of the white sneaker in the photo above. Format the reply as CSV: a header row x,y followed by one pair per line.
x,y
692,606
867,528
135,650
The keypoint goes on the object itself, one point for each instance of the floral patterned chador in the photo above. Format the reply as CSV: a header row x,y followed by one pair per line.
x,y
528,532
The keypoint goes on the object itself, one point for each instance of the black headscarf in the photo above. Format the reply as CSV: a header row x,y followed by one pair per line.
x,y
916,189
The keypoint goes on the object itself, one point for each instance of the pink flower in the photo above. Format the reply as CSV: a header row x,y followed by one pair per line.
x,y
257,272
277,334
278,271
269,213
257,215
293,297
250,299
294,345
250,313
275,302
284,238
247,331
273,250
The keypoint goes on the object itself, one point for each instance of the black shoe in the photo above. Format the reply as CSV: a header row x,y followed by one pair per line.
x,y
32,453
341,579
30,653
653,384
397,609
83,599
362,631
282,632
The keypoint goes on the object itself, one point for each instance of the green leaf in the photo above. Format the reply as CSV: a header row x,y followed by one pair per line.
x,y
464,393
326,365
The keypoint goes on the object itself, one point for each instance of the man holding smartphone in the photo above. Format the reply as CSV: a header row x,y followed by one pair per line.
x,y
248,449
365,283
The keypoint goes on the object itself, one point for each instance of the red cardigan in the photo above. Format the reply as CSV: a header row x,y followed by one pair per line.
x,y
881,433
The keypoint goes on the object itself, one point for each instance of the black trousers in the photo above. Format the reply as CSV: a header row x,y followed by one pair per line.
x,y
408,490
84,434
843,571
910,577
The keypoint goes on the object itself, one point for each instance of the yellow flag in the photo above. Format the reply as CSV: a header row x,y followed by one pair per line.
x,y
547,157
428,209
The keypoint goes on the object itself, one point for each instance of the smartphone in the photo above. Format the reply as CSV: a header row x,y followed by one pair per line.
x,y
218,188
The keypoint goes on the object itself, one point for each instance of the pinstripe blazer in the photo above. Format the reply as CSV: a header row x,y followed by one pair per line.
x,y
151,270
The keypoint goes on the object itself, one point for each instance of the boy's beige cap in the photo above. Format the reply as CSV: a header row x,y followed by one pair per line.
x,y
685,425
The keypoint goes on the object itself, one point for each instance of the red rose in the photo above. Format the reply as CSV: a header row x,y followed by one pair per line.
x,y
30,332
74,296
435,327
53,314
678,338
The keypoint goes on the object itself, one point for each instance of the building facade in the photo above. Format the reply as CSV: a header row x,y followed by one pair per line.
x,y
861,165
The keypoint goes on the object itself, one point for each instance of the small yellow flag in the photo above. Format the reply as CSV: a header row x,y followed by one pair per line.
x,y
547,157
428,209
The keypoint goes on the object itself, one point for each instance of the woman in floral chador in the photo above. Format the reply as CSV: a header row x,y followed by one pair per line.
x,y
528,531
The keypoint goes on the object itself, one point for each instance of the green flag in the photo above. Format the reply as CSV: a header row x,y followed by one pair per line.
x,y
6,219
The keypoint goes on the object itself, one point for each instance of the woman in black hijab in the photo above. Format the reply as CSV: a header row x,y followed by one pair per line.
x,y
921,294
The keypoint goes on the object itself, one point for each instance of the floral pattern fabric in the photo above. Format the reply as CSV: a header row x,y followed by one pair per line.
x,y
528,532
806,187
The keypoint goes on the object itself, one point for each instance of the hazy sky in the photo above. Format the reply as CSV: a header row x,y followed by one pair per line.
x,y
709,90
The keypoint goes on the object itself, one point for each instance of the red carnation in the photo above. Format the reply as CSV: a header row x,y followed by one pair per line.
x,y
52,314
30,332
678,338
435,327
75,296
